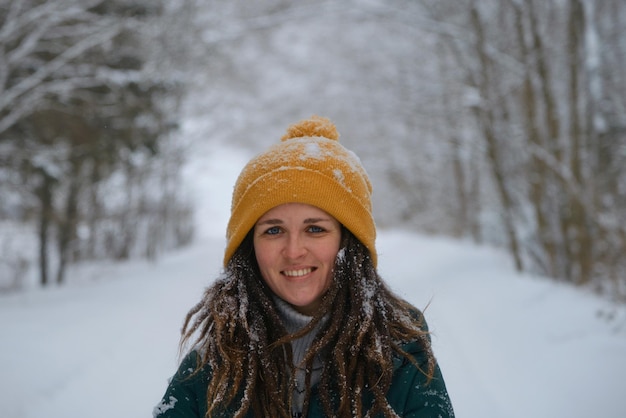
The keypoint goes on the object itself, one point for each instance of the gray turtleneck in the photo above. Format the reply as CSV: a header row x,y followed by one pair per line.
x,y
295,321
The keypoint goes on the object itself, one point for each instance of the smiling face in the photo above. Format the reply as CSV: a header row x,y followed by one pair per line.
x,y
296,246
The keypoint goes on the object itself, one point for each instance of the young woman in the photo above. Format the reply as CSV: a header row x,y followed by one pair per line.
x,y
300,324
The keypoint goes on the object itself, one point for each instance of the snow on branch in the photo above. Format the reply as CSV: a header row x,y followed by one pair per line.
x,y
574,188
562,172
33,32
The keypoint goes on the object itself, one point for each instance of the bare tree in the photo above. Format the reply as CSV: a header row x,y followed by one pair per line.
x,y
540,71
79,96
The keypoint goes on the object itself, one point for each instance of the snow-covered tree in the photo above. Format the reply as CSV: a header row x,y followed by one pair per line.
x,y
548,77
82,96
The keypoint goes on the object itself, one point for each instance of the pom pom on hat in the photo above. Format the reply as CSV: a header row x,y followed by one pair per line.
x,y
308,166
315,126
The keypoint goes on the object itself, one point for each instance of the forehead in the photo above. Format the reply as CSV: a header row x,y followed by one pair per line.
x,y
295,211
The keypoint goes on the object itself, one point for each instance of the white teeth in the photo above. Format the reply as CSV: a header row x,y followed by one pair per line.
x,y
297,273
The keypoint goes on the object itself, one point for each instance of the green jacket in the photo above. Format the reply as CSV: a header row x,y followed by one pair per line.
x,y
409,395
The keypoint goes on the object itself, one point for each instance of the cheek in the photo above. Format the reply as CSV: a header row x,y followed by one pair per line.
x,y
329,255
260,254
265,255
334,248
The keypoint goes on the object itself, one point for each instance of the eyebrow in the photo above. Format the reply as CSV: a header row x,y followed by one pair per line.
x,y
280,221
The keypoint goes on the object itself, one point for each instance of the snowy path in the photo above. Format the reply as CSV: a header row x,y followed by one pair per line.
x,y
510,347
100,349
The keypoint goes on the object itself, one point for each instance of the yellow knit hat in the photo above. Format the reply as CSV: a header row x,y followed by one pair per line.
x,y
309,166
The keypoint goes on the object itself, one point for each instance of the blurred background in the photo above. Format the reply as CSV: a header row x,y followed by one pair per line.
x,y
499,122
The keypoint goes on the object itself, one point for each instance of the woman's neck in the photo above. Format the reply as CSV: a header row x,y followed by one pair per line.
x,y
293,320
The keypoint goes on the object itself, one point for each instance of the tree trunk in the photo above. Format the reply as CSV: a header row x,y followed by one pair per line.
x,y
44,193
67,225
580,239
538,172
486,118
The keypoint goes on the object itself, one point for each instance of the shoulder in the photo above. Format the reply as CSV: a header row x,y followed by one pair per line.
x,y
412,390
189,371
186,392
414,393
419,318
420,346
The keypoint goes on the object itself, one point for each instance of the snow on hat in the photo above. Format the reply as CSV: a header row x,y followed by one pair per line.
x,y
309,166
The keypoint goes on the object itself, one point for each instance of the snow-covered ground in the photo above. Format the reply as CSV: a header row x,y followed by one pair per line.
x,y
510,346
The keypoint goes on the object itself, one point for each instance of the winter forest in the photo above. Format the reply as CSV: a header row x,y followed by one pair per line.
x,y
503,122
493,131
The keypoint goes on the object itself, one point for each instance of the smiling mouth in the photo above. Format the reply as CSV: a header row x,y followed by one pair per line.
x,y
298,273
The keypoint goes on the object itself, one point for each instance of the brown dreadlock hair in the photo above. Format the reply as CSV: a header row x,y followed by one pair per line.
x,y
237,332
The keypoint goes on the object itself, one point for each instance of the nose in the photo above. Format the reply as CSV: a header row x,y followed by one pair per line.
x,y
294,247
